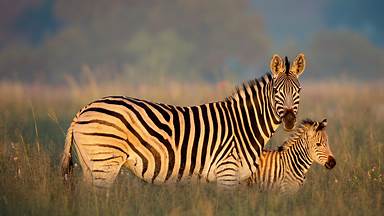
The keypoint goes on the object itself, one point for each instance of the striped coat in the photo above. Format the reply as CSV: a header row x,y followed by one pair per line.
x,y
163,143
284,170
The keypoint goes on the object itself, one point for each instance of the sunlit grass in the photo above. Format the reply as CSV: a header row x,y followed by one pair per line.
x,y
33,120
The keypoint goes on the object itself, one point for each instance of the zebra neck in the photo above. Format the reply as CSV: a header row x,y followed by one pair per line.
x,y
253,118
298,159
276,121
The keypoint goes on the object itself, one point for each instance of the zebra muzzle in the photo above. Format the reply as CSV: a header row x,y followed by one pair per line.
x,y
289,120
331,162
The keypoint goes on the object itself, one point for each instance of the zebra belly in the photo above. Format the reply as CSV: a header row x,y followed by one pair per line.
x,y
135,164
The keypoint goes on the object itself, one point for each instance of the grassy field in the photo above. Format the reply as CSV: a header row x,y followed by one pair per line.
x,y
34,118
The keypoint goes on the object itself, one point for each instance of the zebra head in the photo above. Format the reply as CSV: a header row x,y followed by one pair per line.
x,y
318,145
286,87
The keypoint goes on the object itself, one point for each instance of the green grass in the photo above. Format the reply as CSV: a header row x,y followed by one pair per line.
x,y
33,120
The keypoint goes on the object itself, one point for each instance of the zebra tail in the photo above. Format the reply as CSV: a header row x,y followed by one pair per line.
x,y
66,159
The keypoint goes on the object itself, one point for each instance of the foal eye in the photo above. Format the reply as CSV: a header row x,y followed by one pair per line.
x,y
299,89
318,144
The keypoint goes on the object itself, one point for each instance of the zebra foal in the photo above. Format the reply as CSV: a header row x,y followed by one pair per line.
x,y
284,170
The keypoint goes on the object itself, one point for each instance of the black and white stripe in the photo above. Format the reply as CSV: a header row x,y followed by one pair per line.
x,y
163,143
284,170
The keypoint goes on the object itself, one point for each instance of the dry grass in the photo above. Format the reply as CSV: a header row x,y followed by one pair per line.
x,y
33,120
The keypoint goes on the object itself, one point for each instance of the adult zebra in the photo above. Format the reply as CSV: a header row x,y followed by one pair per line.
x,y
284,170
164,143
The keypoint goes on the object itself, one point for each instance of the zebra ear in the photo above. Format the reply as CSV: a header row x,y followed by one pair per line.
x,y
298,65
277,65
322,125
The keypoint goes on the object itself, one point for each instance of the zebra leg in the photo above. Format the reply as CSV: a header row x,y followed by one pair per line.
x,y
290,187
104,172
227,172
101,162
103,169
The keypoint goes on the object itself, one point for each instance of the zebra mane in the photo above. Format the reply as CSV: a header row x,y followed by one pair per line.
x,y
304,126
247,85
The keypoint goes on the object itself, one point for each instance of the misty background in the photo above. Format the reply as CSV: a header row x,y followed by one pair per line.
x,y
152,41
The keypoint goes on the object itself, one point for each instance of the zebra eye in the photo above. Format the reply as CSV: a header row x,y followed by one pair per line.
x,y
274,90
318,144
299,89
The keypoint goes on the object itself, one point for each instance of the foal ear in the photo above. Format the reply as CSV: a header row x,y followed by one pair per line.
x,y
298,65
322,125
276,65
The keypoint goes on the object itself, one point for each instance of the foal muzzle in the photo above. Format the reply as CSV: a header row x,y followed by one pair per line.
x,y
331,162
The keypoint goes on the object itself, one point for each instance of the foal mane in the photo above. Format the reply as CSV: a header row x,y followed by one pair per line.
x,y
304,126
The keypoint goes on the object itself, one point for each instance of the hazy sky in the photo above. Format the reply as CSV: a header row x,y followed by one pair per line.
x,y
299,19
284,20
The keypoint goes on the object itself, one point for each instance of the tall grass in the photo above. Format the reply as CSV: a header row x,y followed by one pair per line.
x,y
33,120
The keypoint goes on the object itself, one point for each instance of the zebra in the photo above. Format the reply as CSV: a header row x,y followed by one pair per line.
x,y
162,143
284,169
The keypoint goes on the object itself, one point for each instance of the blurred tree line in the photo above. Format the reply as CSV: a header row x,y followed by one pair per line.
x,y
158,40
174,39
